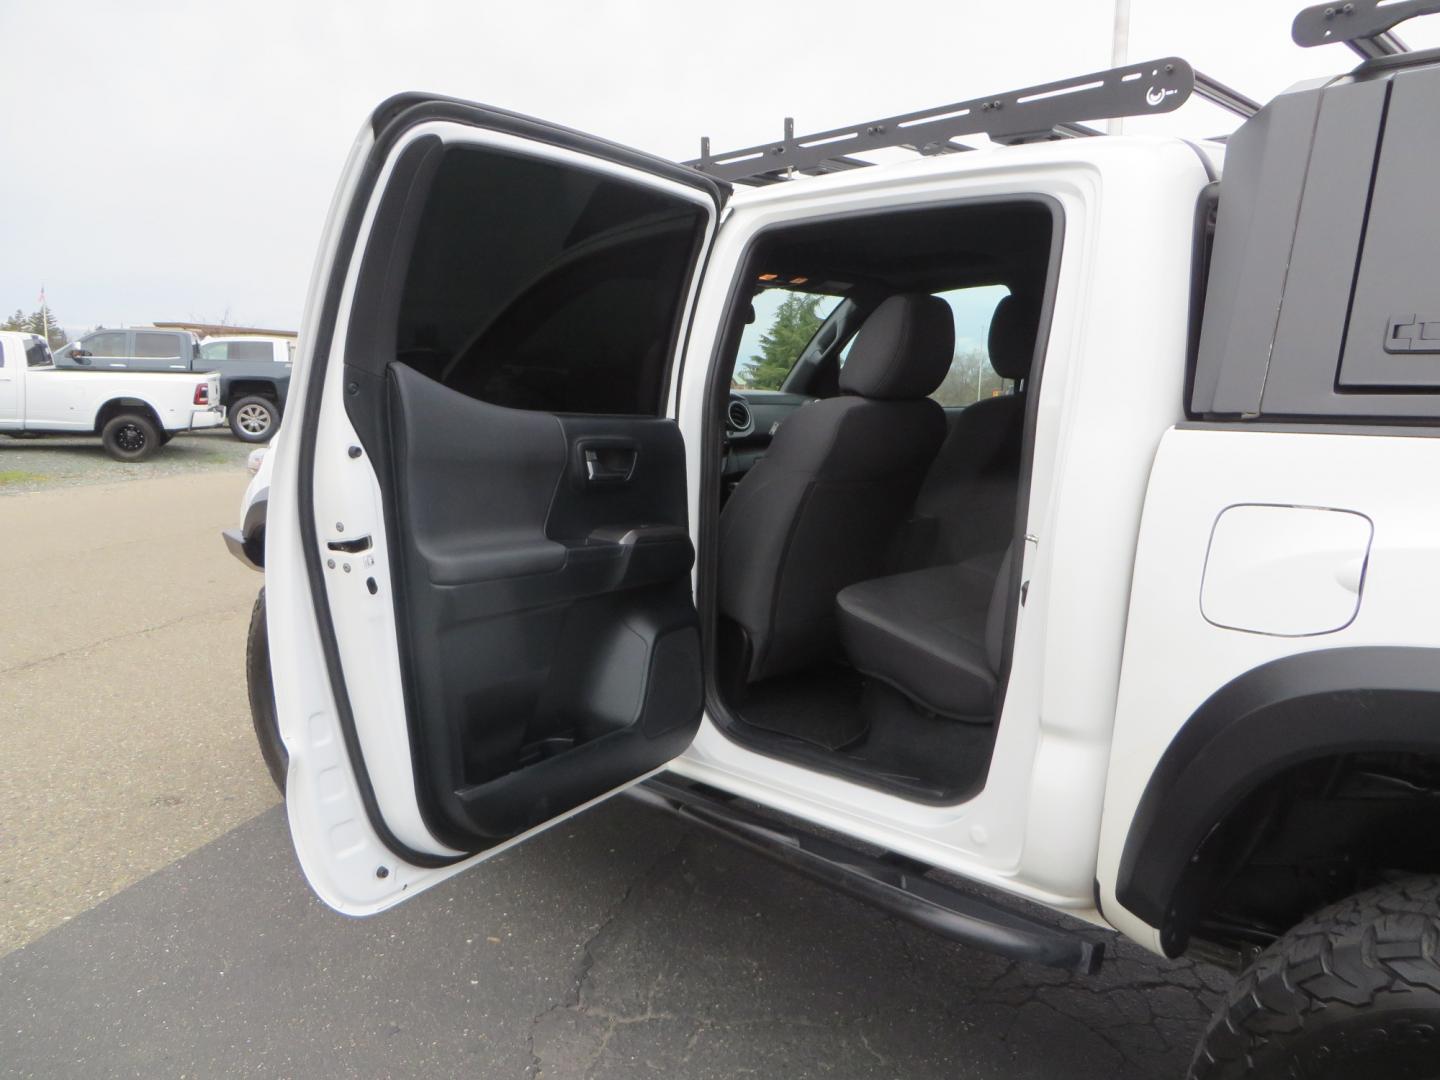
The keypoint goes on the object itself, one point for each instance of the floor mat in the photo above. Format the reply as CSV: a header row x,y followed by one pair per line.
x,y
836,720
936,754
820,707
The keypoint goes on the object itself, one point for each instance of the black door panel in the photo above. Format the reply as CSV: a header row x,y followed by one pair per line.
x,y
549,636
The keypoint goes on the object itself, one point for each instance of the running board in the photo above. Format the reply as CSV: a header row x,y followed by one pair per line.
x,y
890,882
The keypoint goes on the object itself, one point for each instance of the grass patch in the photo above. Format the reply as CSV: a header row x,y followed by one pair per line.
x,y
16,476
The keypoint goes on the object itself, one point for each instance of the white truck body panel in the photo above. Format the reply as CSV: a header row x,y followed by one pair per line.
x,y
1200,475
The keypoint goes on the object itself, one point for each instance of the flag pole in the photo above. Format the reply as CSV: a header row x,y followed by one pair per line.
x,y
45,316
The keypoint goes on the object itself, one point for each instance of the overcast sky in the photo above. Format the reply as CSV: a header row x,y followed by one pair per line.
x,y
175,160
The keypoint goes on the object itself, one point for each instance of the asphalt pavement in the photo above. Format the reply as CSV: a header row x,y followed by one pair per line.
x,y
619,946
125,726
158,925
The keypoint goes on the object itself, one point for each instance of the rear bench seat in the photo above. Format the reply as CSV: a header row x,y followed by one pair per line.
x,y
936,635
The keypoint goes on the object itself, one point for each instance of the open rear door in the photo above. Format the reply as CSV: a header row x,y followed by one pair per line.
x,y
478,558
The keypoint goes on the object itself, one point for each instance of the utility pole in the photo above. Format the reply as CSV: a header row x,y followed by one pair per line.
x,y
1119,49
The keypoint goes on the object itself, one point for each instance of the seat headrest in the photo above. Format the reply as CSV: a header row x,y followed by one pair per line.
x,y
903,350
1012,337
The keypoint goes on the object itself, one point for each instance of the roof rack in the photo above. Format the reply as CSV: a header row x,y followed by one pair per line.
x,y
1363,25
1054,110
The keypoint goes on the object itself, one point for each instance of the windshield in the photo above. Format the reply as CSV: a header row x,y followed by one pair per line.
x,y
785,321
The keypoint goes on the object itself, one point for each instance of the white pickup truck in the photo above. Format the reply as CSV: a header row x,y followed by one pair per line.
x,y
1088,550
134,413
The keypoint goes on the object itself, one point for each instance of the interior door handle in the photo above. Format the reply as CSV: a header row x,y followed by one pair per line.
x,y
610,468
606,460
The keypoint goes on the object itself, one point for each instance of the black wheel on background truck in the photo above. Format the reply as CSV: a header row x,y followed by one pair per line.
x,y
1353,991
262,695
254,419
130,437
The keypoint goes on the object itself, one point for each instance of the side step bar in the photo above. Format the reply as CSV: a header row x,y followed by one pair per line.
x,y
892,883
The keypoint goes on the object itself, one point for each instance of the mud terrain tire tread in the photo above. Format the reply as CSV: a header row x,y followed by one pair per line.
x,y
1353,990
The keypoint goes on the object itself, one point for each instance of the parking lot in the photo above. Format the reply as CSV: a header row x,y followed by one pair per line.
x,y
39,464
154,922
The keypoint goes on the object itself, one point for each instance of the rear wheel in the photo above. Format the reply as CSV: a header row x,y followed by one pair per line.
x,y
1352,991
262,695
130,437
254,419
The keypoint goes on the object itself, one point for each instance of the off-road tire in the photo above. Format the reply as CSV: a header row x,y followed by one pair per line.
x,y
248,414
130,437
1353,991
262,695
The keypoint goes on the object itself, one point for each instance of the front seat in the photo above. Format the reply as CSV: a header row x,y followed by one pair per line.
x,y
818,511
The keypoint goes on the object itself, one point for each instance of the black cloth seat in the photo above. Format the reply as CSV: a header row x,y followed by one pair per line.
x,y
820,510
936,635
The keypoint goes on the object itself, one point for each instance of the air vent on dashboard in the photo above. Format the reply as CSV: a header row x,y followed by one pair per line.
x,y
738,418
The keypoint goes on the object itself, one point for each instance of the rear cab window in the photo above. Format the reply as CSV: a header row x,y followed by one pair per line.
x,y
221,352
249,351
970,378
37,353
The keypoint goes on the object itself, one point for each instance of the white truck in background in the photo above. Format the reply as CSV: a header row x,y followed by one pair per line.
x,y
134,413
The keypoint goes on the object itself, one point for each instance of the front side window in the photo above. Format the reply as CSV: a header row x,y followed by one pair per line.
x,y
539,285
111,343
785,321
215,352
156,346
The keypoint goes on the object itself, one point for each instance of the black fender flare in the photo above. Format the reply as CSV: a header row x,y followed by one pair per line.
x,y
1283,713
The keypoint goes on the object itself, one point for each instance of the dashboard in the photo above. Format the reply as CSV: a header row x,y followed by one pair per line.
x,y
751,419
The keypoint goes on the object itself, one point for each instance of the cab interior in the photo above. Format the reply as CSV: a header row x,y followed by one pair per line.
x,y
870,402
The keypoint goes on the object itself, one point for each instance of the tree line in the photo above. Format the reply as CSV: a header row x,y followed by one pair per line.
x,y
34,323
